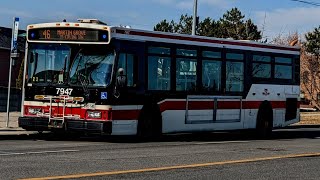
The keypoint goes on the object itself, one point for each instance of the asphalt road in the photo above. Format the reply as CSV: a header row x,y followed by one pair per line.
x,y
289,154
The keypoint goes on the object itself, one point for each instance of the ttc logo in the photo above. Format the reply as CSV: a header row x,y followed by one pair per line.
x,y
266,92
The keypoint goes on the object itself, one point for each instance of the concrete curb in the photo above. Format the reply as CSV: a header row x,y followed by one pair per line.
x,y
5,133
11,129
297,126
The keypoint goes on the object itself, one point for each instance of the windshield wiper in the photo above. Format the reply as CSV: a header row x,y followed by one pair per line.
x,y
84,83
34,59
81,77
64,70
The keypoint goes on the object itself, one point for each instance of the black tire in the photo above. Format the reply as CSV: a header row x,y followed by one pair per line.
x,y
149,123
264,120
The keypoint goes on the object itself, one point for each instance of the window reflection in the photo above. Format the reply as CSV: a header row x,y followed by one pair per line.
x,y
93,67
261,70
159,50
126,62
187,52
283,72
234,76
235,56
283,60
211,75
186,73
48,63
159,73
211,54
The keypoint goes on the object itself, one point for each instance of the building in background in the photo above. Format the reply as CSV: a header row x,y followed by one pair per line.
x,y
5,46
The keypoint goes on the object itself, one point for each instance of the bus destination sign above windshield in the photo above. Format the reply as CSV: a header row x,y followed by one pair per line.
x,y
68,34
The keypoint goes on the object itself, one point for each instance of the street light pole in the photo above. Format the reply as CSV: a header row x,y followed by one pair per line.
x,y
195,8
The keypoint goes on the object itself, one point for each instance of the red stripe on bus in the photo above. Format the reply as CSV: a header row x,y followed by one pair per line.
x,y
125,114
195,39
106,115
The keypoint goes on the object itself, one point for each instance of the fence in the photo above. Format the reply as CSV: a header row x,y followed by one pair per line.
x,y
15,99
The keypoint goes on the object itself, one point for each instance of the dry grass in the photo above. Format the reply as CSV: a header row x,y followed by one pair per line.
x,y
310,118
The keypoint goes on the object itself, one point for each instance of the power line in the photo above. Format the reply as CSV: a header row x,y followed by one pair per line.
x,y
308,2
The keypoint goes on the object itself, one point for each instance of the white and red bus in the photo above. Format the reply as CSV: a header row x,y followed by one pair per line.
x,y
87,76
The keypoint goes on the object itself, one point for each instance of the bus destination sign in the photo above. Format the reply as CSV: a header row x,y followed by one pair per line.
x,y
68,34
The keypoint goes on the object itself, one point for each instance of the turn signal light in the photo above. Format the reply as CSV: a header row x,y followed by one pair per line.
x,y
39,97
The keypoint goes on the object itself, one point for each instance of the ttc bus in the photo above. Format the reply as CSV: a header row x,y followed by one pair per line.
x,y
87,76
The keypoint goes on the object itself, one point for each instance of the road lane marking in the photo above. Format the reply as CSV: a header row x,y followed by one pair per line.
x,y
221,142
75,176
36,152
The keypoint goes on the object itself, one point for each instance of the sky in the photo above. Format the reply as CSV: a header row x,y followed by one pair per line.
x,y
273,17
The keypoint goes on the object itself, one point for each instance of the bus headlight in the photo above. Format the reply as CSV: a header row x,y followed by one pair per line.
x,y
34,111
94,114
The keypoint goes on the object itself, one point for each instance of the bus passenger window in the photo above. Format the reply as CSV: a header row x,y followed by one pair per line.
x,y
159,73
283,68
186,74
234,72
234,76
126,61
211,71
261,67
159,68
211,75
283,72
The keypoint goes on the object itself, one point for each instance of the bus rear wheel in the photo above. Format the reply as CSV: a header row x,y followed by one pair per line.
x,y
264,120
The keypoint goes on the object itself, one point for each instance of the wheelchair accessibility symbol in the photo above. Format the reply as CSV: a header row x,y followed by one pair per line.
x,y
104,95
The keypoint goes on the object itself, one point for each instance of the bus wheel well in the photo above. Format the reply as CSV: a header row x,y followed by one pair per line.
x,y
264,123
150,121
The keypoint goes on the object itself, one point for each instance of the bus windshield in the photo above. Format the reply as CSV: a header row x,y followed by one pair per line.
x,y
92,66
48,63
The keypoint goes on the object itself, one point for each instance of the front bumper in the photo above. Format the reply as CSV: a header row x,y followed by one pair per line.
x,y
42,124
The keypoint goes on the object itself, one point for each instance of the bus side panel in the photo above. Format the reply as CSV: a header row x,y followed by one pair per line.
x,y
174,121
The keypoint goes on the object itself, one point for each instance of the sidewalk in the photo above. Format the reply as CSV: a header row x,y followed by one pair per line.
x,y
13,128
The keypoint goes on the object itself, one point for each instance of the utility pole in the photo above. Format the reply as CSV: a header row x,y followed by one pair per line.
x,y
194,24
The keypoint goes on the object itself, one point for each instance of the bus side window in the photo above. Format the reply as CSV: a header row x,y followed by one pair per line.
x,y
186,70
126,61
234,72
283,68
211,71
